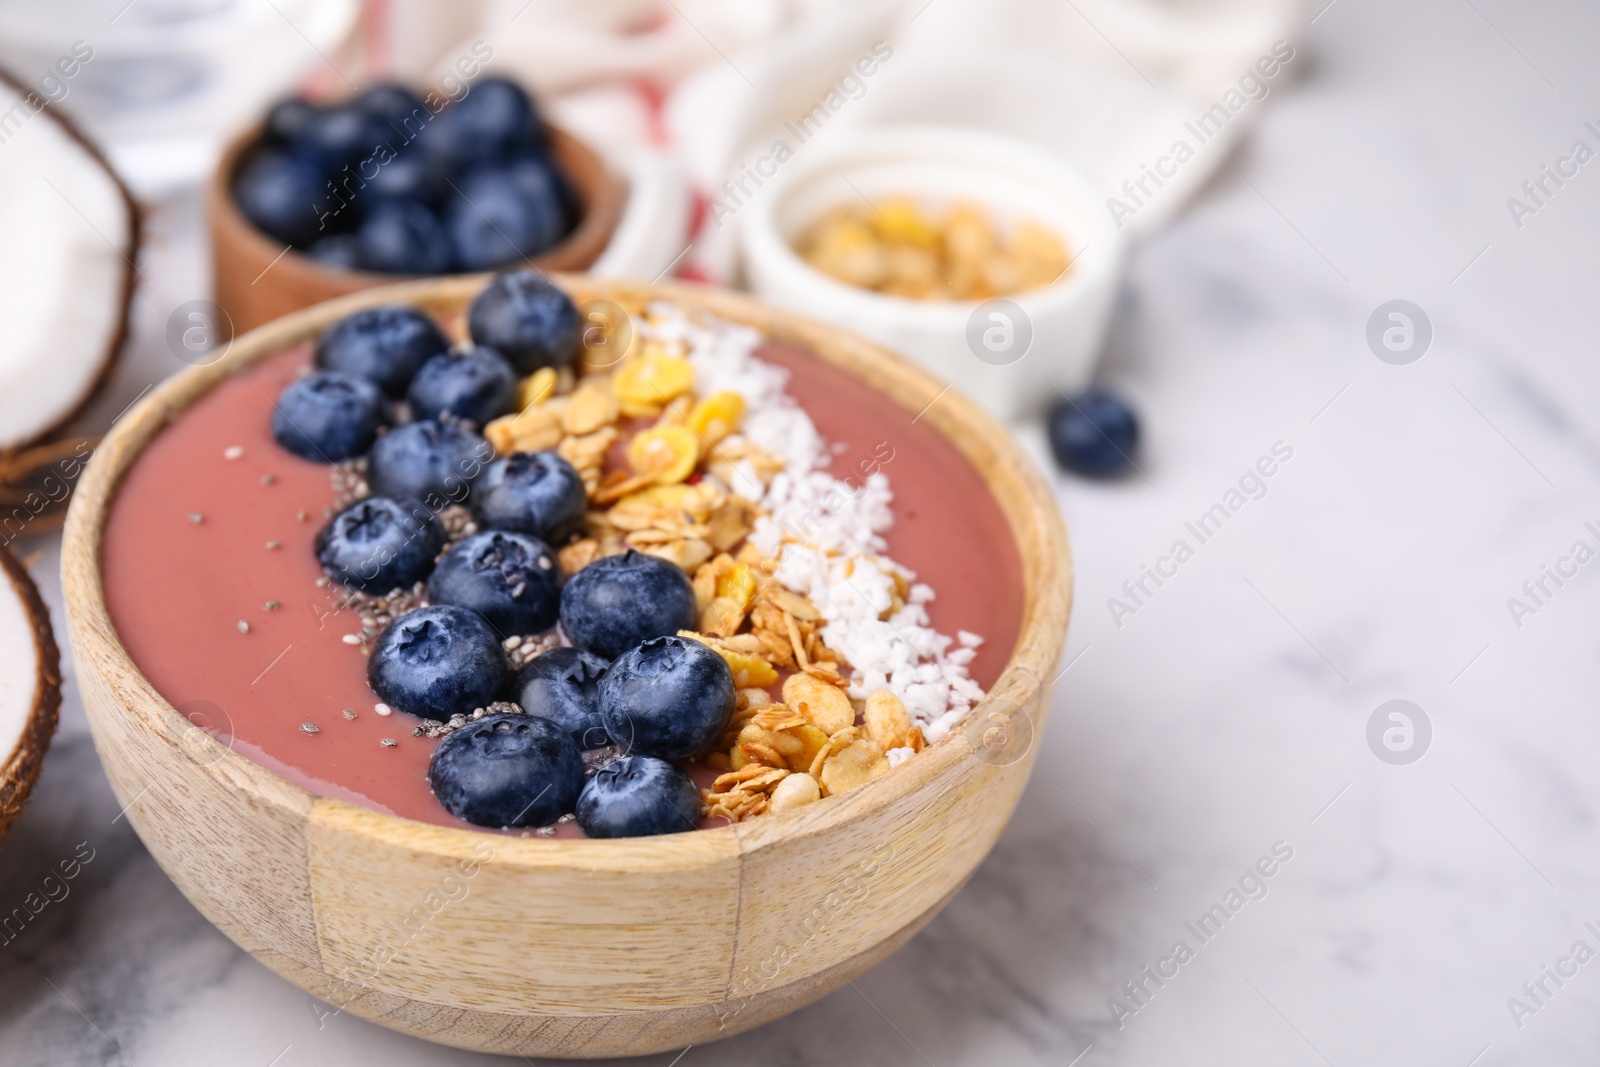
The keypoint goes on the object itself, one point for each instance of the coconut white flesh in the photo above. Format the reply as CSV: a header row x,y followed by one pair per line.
x,y
20,675
65,229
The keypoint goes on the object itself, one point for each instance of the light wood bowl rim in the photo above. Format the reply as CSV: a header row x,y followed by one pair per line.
x,y
1024,682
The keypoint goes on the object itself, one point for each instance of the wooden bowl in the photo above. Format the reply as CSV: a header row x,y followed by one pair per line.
x,y
256,281
570,947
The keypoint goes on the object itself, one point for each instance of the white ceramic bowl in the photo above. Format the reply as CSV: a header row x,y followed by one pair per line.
x,y
1010,356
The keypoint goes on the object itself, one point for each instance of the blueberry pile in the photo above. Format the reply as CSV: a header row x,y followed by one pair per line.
x,y
389,387
394,184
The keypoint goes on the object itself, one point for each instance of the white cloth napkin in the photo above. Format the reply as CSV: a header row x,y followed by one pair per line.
x,y
681,94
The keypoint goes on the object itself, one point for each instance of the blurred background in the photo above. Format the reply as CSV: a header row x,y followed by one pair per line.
x,y
1358,262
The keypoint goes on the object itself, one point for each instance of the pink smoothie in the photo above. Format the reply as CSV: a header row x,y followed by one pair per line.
x,y
178,589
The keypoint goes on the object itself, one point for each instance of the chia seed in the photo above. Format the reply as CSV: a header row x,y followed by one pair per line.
x,y
349,483
595,758
310,728
519,650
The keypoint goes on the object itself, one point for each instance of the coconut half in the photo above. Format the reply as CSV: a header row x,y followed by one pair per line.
x,y
30,686
69,237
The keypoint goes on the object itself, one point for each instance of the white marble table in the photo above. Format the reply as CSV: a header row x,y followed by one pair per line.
x,y
1229,711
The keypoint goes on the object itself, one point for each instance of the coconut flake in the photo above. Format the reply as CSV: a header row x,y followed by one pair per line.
x,y
827,535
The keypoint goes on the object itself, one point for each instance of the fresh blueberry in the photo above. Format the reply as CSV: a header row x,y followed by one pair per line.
x,y
536,493
494,121
563,685
341,251
1095,433
539,175
475,384
386,344
438,661
282,195
501,216
403,237
289,119
525,318
618,601
510,579
408,176
339,137
507,770
638,796
378,544
396,105
327,416
669,697
433,462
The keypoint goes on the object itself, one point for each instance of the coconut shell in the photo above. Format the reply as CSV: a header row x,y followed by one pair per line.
x,y
21,764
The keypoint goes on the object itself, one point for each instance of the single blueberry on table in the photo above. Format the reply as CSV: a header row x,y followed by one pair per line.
x,y
525,318
403,237
377,544
283,196
511,579
1094,433
328,416
498,217
618,601
438,661
474,384
536,493
668,697
289,119
563,685
638,796
494,121
387,344
507,770
341,251
432,462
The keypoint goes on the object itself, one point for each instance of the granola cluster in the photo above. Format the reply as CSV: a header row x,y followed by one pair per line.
x,y
780,756
656,461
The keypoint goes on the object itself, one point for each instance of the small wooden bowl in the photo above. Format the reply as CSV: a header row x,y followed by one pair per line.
x,y
256,281
562,947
